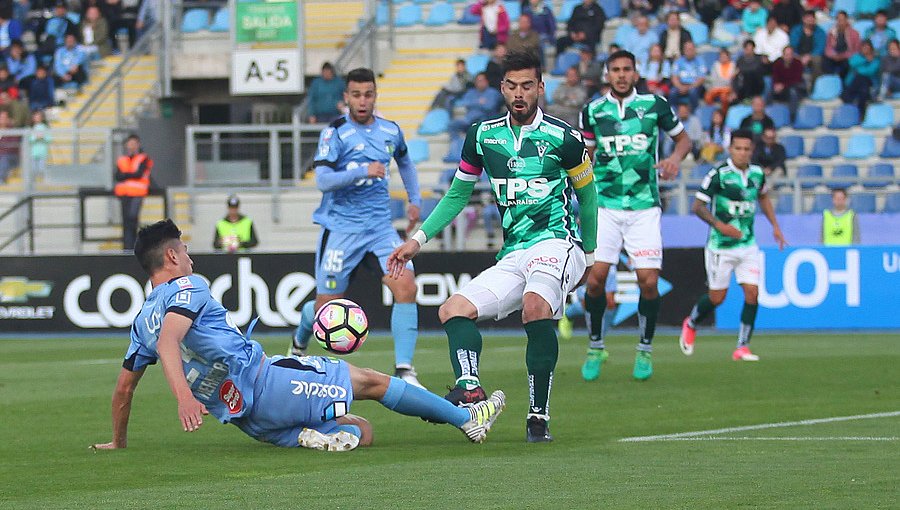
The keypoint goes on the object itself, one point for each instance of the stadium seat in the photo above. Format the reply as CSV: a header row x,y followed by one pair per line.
x,y
221,21
382,13
407,15
733,29
194,20
885,170
704,114
440,14
477,63
565,12
862,26
891,148
672,203
699,33
435,122
892,203
870,7
826,88
513,9
612,8
895,24
624,34
468,18
428,205
860,146
780,114
736,114
564,61
839,171
809,175
709,57
793,146
825,147
550,85
821,201
844,116
809,116
878,116
418,150
785,204
863,203
844,5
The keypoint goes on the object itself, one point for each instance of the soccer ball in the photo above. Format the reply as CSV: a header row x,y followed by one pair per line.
x,y
341,326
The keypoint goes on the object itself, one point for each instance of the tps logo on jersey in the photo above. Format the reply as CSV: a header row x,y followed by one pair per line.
x,y
17,289
624,145
509,189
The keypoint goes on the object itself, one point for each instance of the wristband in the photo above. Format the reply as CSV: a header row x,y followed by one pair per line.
x,y
420,237
589,259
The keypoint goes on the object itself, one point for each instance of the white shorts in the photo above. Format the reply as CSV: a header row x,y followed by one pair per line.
x,y
744,262
639,231
550,269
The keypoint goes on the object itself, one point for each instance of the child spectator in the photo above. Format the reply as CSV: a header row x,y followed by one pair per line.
x,y
40,142
41,90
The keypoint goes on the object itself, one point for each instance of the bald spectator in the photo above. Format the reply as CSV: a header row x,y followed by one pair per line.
x,y
525,39
842,43
672,39
95,34
569,98
770,41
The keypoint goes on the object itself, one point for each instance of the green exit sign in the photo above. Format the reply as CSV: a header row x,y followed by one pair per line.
x,y
273,21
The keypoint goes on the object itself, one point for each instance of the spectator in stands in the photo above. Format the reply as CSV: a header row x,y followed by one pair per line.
x,y
672,39
656,71
132,184
148,14
480,102
454,88
542,20
692,127
817,5
235,231
716,138
770,41
590,69
120,16
8,83
750,69
644,7
842,43
787,80
734,9
890,67
787,13
56,29
840,225
9,147
569,98
18,111
758,121
20,63
525,39
808,41
69,64
688,77
326,96
769,154
10,30
708,11
753,18
880,34
639,42
494,22
585,26
39,139
494,70
95,34
41,90
865,69
676,6
720,79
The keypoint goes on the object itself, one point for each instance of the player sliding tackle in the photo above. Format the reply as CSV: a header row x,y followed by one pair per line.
x,y
535,162
212,368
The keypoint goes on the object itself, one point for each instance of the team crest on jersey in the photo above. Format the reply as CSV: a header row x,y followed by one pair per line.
x,y
184,283
640,111
541,148
389,147
183,298
515,163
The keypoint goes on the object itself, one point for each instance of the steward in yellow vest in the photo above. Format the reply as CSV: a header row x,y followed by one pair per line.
x,y
235,231
840,226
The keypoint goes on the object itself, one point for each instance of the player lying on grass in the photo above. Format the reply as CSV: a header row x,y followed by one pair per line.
x,y
212,368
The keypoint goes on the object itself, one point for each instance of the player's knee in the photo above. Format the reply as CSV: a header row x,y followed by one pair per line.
x,y
456,306
716,297
751,295
596,281
405,290
368,384
647,281
535,308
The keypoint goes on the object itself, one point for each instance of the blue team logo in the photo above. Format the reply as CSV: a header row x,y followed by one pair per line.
x,y
389,147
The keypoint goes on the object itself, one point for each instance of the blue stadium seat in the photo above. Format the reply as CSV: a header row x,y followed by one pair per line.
x,y
844,116
550,86
398,208
612,8
513,9
785,204
780,114
810,175
892,203
564,61
565,12
826,88
221,21
860,146
477,63
736,115
885,170
709,57
624,34
793,146
895,24
382,13
468,18
863,203
699,33
821,201
809,116
733,29
418,150
672,204
878,116
844,5
195,20
428,205
839,171
870,7
825,147
435,122
704,114
862,26
891,148
440,14
407,15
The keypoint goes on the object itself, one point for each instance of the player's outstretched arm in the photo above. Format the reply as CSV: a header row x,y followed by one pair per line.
x,y
700,209
190,410
121,409
766,205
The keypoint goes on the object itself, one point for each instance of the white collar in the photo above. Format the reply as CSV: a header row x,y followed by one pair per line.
x,y
631,97
538,118
732,166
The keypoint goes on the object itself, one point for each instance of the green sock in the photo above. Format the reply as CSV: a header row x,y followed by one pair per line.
x,y
594,308
748,319
465,348
648,309
540,359
701,309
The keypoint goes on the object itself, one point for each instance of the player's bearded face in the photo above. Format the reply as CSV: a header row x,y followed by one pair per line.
x,y
621,76
521,90
360,99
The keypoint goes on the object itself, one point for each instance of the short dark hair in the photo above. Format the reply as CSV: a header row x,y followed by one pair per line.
x,y
327,65
750,42
133,136
842,12
621,54
840,190
881,12
742,133
809,12
520,60
361,75
152,241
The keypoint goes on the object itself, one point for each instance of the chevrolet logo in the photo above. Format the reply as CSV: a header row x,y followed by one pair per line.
x,y
16,289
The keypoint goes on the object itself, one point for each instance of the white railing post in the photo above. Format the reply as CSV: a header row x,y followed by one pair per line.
x,y
191,167
275,173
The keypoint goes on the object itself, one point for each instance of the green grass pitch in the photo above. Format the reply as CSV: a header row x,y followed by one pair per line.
x,y
56,398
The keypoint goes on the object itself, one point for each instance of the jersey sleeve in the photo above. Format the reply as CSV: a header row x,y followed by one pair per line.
x,y
187,297
763,184
666,119
138,356
329,149
471,164
574,159
709,187
586,126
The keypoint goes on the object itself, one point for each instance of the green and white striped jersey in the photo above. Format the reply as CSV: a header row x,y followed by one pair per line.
x,y
733,194
626,138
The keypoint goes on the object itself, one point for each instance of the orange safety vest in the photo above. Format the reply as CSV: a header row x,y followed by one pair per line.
x,y
139,185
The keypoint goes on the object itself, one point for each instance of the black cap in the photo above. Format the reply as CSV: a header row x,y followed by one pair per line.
x,y
233,201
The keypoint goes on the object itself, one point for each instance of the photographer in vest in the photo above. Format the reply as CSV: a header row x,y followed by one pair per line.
x,y
235,231
840,226
132,185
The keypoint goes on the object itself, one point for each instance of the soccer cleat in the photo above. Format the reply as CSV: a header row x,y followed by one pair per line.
x,y
590,371
643,366
462,397
408,374
743,354
686,340
565,328
341,441
298,348
483,415
537,430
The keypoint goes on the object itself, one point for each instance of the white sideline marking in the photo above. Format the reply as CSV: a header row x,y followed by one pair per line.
x,y
96,361
669,437
750,438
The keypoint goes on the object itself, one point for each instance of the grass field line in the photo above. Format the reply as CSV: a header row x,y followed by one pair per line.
x,y
762,426
796,438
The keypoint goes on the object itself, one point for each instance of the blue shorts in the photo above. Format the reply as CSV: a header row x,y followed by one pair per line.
x,y
339,255
293,393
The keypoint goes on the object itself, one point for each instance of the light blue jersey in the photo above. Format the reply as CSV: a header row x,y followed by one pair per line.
x,y
220,364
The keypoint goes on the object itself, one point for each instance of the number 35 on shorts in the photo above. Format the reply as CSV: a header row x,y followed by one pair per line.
x,y
333,261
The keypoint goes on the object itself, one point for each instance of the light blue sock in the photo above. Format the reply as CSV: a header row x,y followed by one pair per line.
x,y
414,401
608,317
405,329
304,329
575,309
